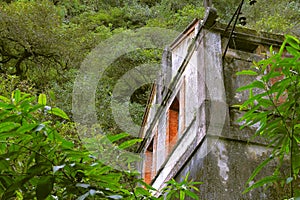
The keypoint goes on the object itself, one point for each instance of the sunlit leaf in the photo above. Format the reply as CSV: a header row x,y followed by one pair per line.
x,y
181,195
141,191
191,194
4,99
6,106
83,185
293,51
56,168
8,126
117,137
247,72
58,112
293,41
149,187
26,128
289,180
129,143
16,96
39,127
92,192
115,196
42,99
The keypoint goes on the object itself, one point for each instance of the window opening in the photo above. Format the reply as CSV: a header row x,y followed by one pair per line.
x,y
148,163
173,125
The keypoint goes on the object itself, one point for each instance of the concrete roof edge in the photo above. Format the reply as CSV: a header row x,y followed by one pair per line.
x,y
251,35
242,32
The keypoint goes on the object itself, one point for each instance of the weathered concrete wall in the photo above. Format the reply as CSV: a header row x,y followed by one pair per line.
x,y
233,155
226,168
210,144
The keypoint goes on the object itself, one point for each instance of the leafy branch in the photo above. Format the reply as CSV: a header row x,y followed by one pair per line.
x,y
275,107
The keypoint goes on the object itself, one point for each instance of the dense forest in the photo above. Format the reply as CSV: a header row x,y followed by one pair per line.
x,y
42,46
43,43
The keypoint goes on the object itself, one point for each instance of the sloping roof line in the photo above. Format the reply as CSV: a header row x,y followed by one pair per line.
x,y
147,109
187,31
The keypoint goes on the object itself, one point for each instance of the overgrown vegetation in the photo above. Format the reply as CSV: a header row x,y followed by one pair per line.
x,y
43,43
275,108
42,157
46,41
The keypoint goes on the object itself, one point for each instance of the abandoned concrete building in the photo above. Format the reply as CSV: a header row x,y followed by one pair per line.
x,y
190,125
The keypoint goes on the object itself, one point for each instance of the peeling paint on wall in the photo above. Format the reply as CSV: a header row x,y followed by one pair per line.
x,y
222,161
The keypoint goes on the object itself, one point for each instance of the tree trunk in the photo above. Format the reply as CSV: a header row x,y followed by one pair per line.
x,y
19,70
207,3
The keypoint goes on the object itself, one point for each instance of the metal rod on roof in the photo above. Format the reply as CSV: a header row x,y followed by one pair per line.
x,y
237,13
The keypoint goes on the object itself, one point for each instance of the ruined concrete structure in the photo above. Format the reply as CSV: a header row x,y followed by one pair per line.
x,y
191,124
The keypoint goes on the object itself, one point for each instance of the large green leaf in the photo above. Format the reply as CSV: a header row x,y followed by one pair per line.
x,y
254,84
35,107
261,182
293,51
4,99
110,178
18,183
4,164
279,80
26,128
247,72
141,191
117,137
5,135
44,187
16,96
129,143
42,99
58,112
66,144
40,167
293,41
8,126
149,187
191,194
6,106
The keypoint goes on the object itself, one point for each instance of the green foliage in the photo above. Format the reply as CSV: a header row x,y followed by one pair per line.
x,y
45,42
9,83
38,162
167,18
282,18
30,34
35,160
275,108
265,15
42,44
182,189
